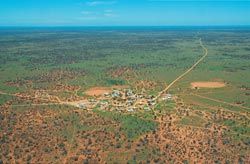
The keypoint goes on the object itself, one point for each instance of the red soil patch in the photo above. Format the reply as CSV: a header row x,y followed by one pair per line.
x,y
207,84
99,91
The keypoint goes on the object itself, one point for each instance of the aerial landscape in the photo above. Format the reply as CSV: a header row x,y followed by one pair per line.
x,y
124,94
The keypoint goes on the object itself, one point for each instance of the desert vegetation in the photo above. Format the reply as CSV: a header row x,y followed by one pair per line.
x,y
92,96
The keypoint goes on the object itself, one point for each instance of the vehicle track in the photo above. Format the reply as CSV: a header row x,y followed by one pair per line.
x,y
223,102
185,73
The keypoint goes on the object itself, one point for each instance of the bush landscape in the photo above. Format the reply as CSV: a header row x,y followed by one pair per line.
x,y
80,95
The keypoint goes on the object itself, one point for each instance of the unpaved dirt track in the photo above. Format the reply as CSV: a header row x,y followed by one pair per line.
x,y
185,73
44,104
223,102
8,94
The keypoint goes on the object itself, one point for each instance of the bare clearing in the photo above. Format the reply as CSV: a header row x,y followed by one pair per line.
x,y
99,91
207,84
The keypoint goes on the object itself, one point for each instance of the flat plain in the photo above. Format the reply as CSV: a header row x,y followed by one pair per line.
x,y
125,95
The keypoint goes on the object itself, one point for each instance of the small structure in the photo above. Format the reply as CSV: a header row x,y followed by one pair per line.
x,y
106,94
130,110
115,94
92,100
130,102
146,108
82,106
129,92
167,97
103,103
151,102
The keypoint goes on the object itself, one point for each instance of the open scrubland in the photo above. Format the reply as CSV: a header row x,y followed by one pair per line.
x,y
117,95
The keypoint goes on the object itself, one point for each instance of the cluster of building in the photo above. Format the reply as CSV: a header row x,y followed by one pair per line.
x,y
124,100
127,100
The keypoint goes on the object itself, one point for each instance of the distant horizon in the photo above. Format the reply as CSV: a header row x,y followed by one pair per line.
x,y
90,29
125,25
125,13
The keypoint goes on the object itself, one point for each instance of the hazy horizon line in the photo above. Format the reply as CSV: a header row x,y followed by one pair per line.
x,y
233,25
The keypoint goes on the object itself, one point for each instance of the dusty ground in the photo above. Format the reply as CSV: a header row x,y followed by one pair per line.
x,y
99,91
207,84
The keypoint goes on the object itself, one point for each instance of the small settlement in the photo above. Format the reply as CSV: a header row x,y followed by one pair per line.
x,y
123,100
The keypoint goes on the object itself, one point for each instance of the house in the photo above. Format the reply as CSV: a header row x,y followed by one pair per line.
x,y
146,108
106,94
129,92
82,106
167,97
151,102
116,94
130,110
130,102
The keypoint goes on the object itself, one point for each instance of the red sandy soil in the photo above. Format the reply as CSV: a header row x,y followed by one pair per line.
x,y
99,91
207,84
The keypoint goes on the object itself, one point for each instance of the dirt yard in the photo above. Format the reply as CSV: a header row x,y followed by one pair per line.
x,y
99,91
207,84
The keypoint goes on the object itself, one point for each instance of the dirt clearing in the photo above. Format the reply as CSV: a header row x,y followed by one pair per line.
x,y
99,91
207,84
